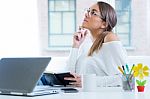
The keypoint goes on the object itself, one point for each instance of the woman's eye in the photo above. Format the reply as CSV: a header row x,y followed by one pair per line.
x,y
93,13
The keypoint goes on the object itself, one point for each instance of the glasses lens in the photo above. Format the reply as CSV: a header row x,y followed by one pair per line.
x,y
87,11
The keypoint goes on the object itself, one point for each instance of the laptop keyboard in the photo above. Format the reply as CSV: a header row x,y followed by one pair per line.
x,y
44,88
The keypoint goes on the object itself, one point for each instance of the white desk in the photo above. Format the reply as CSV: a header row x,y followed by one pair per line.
x,y
101,93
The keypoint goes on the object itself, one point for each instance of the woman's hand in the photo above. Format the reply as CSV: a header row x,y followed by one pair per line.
x,y
76,80
79,37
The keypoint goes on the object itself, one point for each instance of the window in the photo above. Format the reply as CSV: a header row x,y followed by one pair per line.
x,y
123,28
61,23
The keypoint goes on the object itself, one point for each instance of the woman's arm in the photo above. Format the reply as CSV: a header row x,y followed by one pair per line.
x,y
78,39
72,59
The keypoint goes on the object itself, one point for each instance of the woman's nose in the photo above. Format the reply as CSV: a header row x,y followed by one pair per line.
x,y
86,15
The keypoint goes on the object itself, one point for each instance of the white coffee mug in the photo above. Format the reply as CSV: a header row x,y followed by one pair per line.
x,y
89,82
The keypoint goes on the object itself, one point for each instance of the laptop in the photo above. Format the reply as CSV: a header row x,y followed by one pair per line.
x,y
19,76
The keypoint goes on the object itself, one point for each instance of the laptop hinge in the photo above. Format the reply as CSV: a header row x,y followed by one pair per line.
x,y
5,92
11,93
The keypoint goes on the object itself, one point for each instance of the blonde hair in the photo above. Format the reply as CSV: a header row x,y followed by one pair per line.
x,y
97,43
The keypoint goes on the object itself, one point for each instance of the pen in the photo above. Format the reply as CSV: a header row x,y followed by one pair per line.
x,y
127,67
120,70
132,69
124,69
131,72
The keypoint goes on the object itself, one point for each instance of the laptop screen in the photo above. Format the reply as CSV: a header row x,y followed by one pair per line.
x,y
21,74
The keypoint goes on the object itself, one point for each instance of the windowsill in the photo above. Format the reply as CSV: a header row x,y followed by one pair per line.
x,y
58,49
130,48
65,51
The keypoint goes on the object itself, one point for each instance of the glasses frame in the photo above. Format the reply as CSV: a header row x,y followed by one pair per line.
x,y
92,12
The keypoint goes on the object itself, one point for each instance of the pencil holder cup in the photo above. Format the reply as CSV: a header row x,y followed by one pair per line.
x,y
128,82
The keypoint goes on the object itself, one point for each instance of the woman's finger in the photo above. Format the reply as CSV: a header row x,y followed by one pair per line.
x,y
85,33
78,36
75,84
70,78
75,75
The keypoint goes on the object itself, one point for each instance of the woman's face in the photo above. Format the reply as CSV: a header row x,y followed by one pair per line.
x,y
92,19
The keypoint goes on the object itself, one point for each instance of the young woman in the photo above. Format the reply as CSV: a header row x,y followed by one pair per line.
x,y
103,54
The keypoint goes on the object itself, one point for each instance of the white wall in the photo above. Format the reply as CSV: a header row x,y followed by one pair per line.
x,y
148,24
19,28
140,28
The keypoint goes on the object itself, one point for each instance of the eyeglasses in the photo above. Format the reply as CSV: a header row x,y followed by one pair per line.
x,y
92,12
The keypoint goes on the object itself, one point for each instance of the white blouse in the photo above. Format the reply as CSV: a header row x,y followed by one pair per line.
x,y
103,63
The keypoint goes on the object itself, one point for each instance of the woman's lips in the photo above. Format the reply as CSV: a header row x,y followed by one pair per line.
x,y
85,20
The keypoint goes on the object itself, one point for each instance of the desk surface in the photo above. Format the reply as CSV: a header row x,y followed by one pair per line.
x,y
101,93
